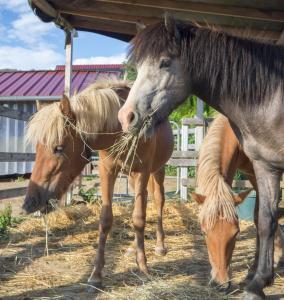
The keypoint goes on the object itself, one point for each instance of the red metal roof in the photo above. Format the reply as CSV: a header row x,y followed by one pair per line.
x,y
51,83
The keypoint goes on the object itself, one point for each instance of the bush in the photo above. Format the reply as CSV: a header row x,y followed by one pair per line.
x,y
5,219
88,195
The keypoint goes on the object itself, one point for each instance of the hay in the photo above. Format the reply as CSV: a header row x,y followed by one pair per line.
x,y
73,232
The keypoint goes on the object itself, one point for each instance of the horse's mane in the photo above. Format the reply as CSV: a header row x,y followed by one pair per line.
x,y
256,69
95,109
219,199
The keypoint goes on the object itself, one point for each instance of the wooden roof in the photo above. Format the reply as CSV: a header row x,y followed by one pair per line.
x,y
118,18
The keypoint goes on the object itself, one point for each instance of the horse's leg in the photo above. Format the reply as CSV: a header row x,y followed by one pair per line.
x,y
268,181
132,248
279,246
253,268
139,217
108,177
159,198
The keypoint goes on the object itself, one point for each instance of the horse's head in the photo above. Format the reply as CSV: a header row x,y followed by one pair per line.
x,y
162,82
60,154
220,240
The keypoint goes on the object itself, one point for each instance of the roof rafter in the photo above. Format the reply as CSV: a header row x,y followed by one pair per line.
x,y
206,8
99,20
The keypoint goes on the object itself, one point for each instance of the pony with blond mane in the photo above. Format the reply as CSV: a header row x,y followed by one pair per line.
x,y
219,158
66,132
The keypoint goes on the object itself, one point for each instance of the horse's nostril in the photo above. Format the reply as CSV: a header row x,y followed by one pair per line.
x,y
132,118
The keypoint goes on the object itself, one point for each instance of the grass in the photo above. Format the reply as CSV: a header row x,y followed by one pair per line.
x,y
7,220
88,195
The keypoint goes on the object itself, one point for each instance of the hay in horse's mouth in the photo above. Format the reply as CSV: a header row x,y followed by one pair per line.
x,y
127,142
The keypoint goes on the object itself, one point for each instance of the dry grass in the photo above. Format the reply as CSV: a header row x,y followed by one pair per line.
x,y
181,274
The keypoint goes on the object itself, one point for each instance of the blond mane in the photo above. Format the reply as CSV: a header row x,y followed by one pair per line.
x,y
95,108
219,199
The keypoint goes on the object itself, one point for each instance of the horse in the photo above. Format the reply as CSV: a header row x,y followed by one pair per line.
x,y
220,156
66,132
241,78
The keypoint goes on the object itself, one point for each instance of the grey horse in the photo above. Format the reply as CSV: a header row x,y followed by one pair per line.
x,y
241,78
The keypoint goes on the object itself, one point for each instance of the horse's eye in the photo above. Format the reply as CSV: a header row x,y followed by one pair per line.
x,y
58,150
165,63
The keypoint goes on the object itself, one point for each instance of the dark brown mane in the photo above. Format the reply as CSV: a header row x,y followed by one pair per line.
x,y
244,70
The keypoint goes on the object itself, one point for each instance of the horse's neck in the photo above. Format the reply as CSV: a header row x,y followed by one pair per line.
x,y
104,140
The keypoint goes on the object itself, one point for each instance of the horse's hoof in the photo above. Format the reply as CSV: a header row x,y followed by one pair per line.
x,y
129,252
247,280
252,296
161,251
144,270
94,286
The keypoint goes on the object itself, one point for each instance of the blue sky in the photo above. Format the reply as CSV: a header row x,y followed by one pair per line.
x,y
27,43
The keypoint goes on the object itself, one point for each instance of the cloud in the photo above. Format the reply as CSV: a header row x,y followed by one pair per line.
x,y
24,58
115,59
27,43
18,6
29,29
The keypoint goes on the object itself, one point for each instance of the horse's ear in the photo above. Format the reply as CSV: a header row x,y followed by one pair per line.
x,y
240,197
140,26
171,26
198,198
65,106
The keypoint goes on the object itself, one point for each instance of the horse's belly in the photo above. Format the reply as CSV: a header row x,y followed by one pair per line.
x,y
164,146
272,155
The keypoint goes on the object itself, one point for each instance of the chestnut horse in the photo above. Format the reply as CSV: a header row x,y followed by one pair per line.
x,y
66,132
219,158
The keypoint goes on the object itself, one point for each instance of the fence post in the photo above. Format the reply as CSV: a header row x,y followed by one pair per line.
x,y
67,86
199,130
183,170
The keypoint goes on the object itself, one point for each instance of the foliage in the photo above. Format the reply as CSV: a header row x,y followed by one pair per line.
x,y
20,179
88,195
5,219
90,177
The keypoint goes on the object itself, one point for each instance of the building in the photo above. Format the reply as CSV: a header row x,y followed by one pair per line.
x,y
20,89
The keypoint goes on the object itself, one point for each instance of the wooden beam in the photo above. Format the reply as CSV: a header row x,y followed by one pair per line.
x,y
127,15
14,114
182,162
45,7
105,25
280,40
111,16
193,121
16,157
184,154
206,8
68,64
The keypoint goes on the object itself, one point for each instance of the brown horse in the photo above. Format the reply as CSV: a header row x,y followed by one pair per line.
x,y
219,158
65,133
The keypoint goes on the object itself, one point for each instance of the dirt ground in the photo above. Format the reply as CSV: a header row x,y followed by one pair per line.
x,y
28,273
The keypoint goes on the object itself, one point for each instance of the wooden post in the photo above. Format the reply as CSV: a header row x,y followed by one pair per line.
x,y
184,170
67,86
199,130
68,64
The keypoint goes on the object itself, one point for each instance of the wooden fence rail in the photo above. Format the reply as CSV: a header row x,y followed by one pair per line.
x,y
16,157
